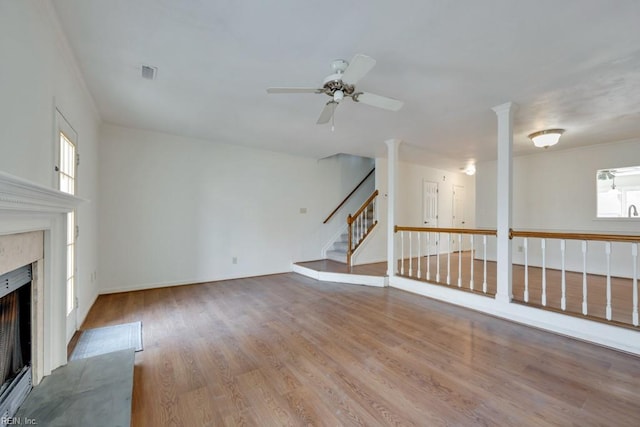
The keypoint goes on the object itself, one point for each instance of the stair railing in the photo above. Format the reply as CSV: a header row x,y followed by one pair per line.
x,y
361,223
348,196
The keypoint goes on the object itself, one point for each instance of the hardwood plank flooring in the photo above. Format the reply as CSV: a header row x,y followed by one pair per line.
x,y
289,350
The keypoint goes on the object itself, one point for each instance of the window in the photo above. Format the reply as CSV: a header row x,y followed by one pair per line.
x,y
67,183
618,192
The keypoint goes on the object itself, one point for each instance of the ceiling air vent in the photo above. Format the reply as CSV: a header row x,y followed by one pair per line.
x,y
148,72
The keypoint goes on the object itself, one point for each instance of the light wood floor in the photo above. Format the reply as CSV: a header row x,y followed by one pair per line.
x,y
288,350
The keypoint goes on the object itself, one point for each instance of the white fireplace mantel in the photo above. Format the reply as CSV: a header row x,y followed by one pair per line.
x,y
24,207
17,194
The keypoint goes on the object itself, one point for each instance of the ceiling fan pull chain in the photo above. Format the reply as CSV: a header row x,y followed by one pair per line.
x,y
333,122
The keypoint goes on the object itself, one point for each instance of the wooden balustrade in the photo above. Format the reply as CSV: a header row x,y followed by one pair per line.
x,y
624,291
563,272
361,223
426,248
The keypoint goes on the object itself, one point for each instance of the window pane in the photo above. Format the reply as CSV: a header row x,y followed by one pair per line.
x,y
617,191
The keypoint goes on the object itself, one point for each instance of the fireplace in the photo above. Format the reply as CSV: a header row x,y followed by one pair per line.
x,y
15,339
33,233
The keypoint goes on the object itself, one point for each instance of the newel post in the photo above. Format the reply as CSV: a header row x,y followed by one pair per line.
x,y
504,196
350,239
393,146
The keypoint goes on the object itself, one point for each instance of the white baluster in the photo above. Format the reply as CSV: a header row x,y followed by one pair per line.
x,y
428,256
402,252
526,270
563,298
374,218
419,252
607,249
352,231
634,256
472,256
438,257
448,258
410,255
544,272
484,274
366,219
459,260
584,277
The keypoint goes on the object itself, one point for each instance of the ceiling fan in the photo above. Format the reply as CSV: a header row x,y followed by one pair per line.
x,y
341,84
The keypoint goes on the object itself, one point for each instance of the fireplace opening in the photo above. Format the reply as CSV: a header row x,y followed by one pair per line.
x,y
15,339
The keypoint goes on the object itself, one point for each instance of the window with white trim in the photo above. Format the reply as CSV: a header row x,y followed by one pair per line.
x,y
66,168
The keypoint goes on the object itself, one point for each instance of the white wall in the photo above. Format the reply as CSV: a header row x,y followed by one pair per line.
x,y
555,190
38,75
178,210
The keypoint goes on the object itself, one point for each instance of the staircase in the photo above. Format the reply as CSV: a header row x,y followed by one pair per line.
x,y
359,226
338,251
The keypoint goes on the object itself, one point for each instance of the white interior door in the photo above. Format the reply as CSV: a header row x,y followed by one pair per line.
x,y
459,217
430,212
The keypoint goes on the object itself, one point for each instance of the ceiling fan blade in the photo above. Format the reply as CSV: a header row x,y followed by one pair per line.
x,y
379,101
293,90
327,112
359,66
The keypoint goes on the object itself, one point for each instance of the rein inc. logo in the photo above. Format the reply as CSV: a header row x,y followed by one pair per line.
x,y
18,421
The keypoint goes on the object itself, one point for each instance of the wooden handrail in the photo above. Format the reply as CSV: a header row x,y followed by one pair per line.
x,y
534,234
486,232
348,196
364,206
576,236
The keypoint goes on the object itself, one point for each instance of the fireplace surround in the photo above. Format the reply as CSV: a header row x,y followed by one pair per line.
x,y
29,210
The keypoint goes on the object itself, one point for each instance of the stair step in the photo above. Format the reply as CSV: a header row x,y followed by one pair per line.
x,y
337,256
340,246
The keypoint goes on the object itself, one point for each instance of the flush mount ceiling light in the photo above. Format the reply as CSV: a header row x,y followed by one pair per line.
x,y
470,169
546,138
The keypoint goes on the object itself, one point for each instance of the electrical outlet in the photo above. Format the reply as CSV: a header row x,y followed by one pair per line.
x,y
520,248
234,260
303,210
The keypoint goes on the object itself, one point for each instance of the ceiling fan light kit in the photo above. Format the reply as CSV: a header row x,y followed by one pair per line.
x,y
341,84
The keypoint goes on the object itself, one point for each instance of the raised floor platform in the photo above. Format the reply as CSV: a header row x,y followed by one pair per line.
x,y
332,271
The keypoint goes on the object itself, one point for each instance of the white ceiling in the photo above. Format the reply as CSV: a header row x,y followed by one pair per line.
x,y
573,64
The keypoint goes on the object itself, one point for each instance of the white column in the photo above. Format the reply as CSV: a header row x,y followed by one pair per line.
x,y
392,166
504,112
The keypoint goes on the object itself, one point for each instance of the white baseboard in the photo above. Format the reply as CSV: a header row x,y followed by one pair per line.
x,y
197,281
